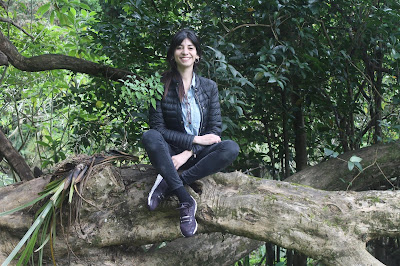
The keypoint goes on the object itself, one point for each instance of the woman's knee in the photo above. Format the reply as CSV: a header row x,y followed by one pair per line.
x,y
150,138
231,149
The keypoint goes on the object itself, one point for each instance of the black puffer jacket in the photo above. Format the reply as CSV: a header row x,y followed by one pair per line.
x,y
167,117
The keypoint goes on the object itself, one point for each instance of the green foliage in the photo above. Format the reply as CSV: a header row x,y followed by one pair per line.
x,y
142,92
5,180
271,59
330,153
353,161
258,257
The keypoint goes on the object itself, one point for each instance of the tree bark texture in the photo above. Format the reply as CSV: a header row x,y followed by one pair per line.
x,y
56,61
203,249
380,163
331,226
16,161
300,143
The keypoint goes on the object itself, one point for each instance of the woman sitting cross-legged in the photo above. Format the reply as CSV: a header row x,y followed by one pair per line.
x,y
185,130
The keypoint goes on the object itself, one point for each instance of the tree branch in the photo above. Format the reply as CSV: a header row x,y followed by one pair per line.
x,y
336,176
57,61
329,226
7,20
246,25
3,5
16,161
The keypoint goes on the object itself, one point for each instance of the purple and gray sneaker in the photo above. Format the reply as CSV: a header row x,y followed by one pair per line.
x,y
157,193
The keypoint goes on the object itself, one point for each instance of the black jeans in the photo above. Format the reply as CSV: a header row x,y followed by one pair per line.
x,y
211,159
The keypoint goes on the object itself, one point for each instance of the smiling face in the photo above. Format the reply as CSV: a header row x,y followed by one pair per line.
x,y
185,55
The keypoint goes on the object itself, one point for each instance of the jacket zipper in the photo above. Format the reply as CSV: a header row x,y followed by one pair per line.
x,y
201,110
179,111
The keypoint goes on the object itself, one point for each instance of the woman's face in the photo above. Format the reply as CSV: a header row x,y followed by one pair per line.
x,y
185,55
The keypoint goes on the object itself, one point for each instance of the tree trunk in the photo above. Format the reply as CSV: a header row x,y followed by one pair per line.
x,y
300,143
300,146
285,121
16,161
329,226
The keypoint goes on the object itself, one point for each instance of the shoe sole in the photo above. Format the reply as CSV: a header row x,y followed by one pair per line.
x,y
195,210
158,181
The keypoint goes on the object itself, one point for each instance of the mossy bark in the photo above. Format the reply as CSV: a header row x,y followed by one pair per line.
x,y
115,224
380,163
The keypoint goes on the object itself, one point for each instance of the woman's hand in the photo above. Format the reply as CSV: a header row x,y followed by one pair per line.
x,y
181,158
207,139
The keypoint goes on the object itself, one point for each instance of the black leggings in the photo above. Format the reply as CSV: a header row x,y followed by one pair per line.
x,y
211,159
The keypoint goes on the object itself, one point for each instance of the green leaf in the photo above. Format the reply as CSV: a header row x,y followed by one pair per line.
x,y
328,152
84,13
52,16
358,165
233,70
239,110
84,6
355,159
350,165
62,155
73,12
43,9
272,80
31,230
280,83
43,244
259,76
49,138
395,54
42,143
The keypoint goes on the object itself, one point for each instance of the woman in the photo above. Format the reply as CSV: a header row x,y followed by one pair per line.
x,y
185,131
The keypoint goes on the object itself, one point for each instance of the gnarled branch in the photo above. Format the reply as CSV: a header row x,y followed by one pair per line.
x,y
329,226
58,61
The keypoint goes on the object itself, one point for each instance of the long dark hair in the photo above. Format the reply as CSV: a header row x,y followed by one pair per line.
x,y
173,74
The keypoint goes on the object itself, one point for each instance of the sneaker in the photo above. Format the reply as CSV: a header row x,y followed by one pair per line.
x,y
157,193
188,221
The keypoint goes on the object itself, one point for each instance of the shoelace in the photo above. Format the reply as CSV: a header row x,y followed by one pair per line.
x,y
161,196
184,210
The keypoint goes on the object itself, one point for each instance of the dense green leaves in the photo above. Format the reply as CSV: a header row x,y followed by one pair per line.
x,y
333,63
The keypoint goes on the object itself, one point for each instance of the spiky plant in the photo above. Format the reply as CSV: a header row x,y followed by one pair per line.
x,y
67,182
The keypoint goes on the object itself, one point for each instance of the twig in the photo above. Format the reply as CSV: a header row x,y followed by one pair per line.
x,y
351,182
385,175
87,201
273,32
247,25
7,20
325,33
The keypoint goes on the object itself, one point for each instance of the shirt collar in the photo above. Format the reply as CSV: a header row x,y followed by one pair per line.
x,y
193,80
